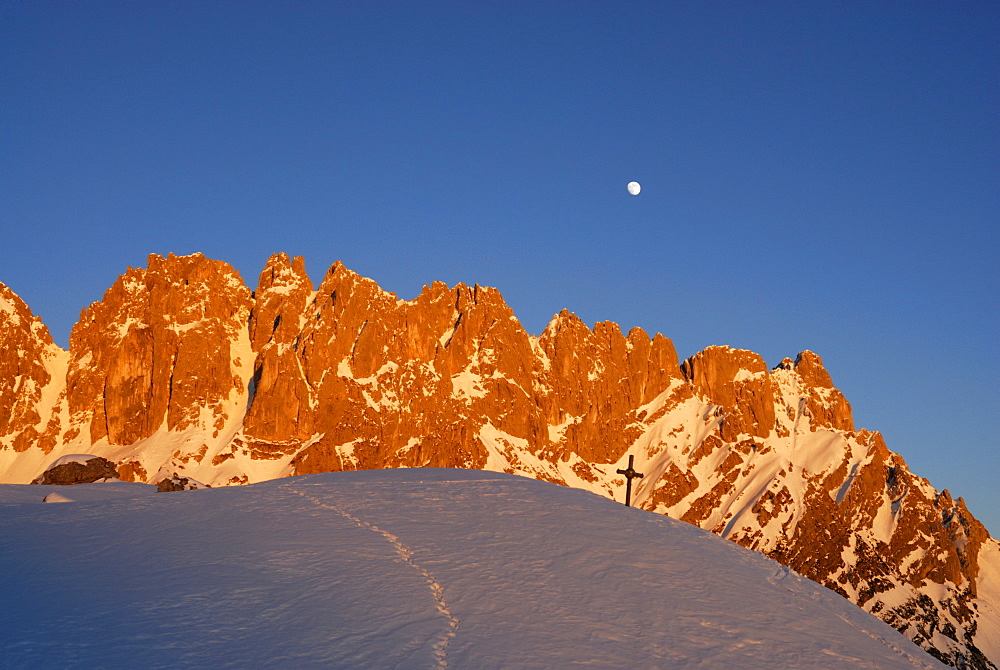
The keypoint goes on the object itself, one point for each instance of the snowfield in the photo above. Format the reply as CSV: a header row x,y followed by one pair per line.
x,y
418,568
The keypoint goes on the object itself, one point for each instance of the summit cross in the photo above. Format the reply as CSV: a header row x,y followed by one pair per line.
x,y
630,474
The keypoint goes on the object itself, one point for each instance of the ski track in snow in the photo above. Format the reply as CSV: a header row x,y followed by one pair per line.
x,y
406,555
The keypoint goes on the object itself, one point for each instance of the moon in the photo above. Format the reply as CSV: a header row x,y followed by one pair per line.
x,y
634,188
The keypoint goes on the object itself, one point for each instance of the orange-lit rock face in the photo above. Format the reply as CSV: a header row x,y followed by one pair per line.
x,y
158,350
280,403
597,379
412,383
415,383
289,380
738,381
826,405
28,359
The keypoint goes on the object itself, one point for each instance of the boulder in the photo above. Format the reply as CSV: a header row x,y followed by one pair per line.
x,y
78,469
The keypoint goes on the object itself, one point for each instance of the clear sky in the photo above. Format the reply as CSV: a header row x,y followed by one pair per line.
x,y
818,175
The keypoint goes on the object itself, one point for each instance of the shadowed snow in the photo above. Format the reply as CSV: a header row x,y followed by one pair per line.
x,y
420,568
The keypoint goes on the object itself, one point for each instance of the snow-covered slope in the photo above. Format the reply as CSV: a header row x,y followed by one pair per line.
x,y
425,568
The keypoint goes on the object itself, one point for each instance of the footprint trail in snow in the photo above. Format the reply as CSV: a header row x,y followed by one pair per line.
x,y
442,640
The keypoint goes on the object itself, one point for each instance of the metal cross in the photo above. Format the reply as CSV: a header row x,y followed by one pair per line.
x,y
629,473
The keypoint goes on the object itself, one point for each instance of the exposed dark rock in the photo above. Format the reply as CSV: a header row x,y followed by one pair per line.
x,y
178,483
77,471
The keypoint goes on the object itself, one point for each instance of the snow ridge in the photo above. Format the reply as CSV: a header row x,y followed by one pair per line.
x,y
540,576
405,554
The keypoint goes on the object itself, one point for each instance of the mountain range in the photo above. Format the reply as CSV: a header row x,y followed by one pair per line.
x,y
182,371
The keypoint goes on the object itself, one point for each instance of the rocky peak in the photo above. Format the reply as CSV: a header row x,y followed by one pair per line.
x,y
16,316
283,290
716,370
346,310
158,348
810,368
596,379
825,405
280,406
31,376
427,372
738,381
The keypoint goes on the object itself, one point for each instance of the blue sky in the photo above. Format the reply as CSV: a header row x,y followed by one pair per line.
x,y
818,176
